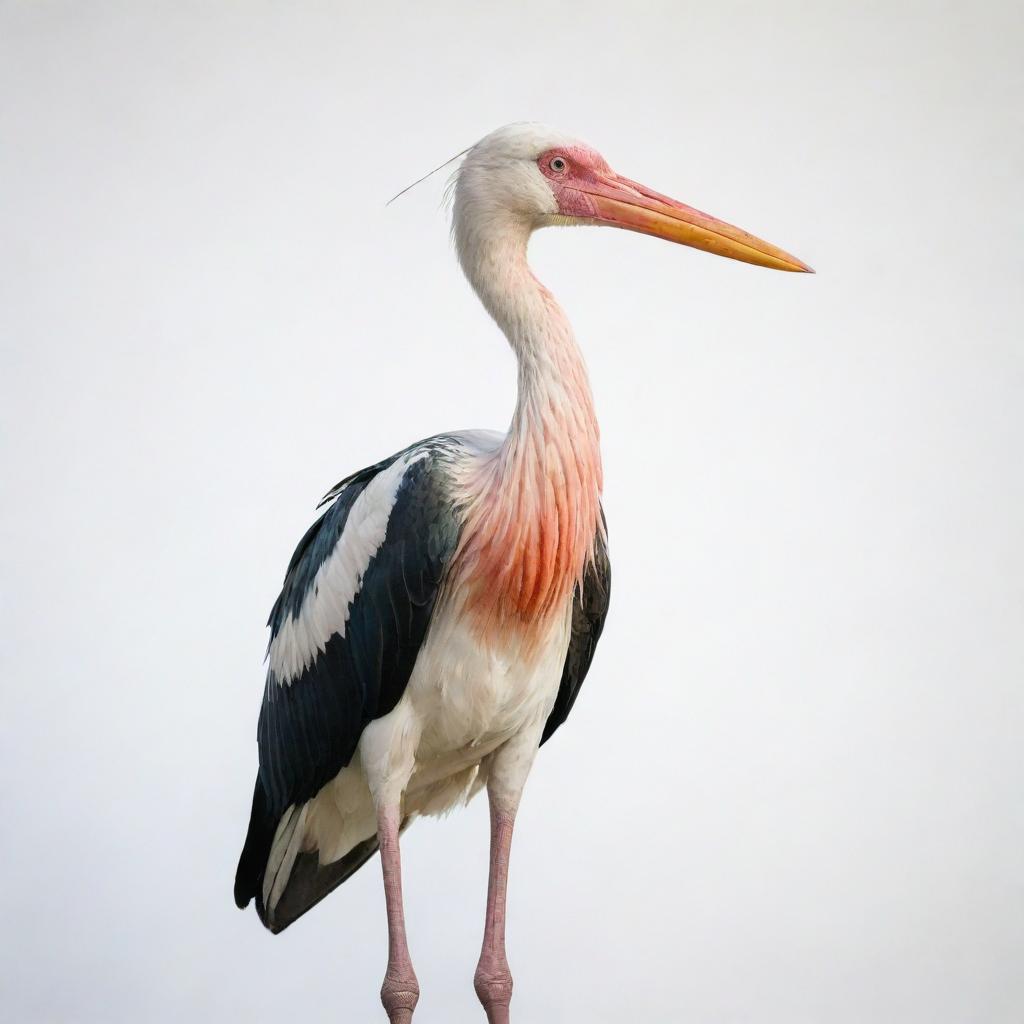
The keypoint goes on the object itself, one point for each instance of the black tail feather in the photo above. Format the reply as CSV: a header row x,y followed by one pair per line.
x,y
309,881
253,861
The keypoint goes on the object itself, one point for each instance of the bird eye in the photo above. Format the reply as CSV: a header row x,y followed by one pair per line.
x,y
557,164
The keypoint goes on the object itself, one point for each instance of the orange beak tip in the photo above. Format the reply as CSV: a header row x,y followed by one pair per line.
x,y
626,204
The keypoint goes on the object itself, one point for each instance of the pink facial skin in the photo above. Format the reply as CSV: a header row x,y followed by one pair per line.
x,y
587,174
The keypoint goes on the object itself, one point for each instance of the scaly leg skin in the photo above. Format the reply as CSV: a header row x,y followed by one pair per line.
x,y
400,991
493,979
506,778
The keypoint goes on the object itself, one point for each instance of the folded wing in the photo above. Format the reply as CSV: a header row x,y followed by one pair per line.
x,y
345,633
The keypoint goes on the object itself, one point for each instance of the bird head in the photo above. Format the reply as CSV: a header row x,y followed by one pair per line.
x,y
532,176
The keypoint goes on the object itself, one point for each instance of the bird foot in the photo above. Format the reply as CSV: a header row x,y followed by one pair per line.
x,y
493,984
400,993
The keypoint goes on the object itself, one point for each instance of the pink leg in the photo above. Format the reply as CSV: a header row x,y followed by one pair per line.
x,y
400,991
493,979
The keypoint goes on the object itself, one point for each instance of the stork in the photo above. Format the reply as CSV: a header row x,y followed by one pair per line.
x,y
437,621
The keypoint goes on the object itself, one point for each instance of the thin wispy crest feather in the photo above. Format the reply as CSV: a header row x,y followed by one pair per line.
x,y
427,175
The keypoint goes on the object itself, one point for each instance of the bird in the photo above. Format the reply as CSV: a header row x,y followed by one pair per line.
x,y
437,622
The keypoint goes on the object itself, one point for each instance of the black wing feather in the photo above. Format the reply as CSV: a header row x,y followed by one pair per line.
x,y
589,609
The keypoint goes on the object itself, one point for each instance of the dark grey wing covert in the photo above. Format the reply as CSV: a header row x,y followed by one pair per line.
x,y
589,609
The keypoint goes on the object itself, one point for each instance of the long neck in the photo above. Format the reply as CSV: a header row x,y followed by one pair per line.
x,y
535,507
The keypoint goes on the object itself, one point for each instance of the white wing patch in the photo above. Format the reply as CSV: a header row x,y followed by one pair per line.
x,y
326,605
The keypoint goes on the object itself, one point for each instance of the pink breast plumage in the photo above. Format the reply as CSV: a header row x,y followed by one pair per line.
x,y
532,517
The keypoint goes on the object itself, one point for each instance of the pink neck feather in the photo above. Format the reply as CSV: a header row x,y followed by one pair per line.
x,y
534,505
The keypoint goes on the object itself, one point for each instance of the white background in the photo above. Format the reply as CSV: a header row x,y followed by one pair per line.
x,y
792,789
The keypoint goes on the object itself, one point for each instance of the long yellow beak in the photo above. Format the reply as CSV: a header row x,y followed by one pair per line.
x,y
622,203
